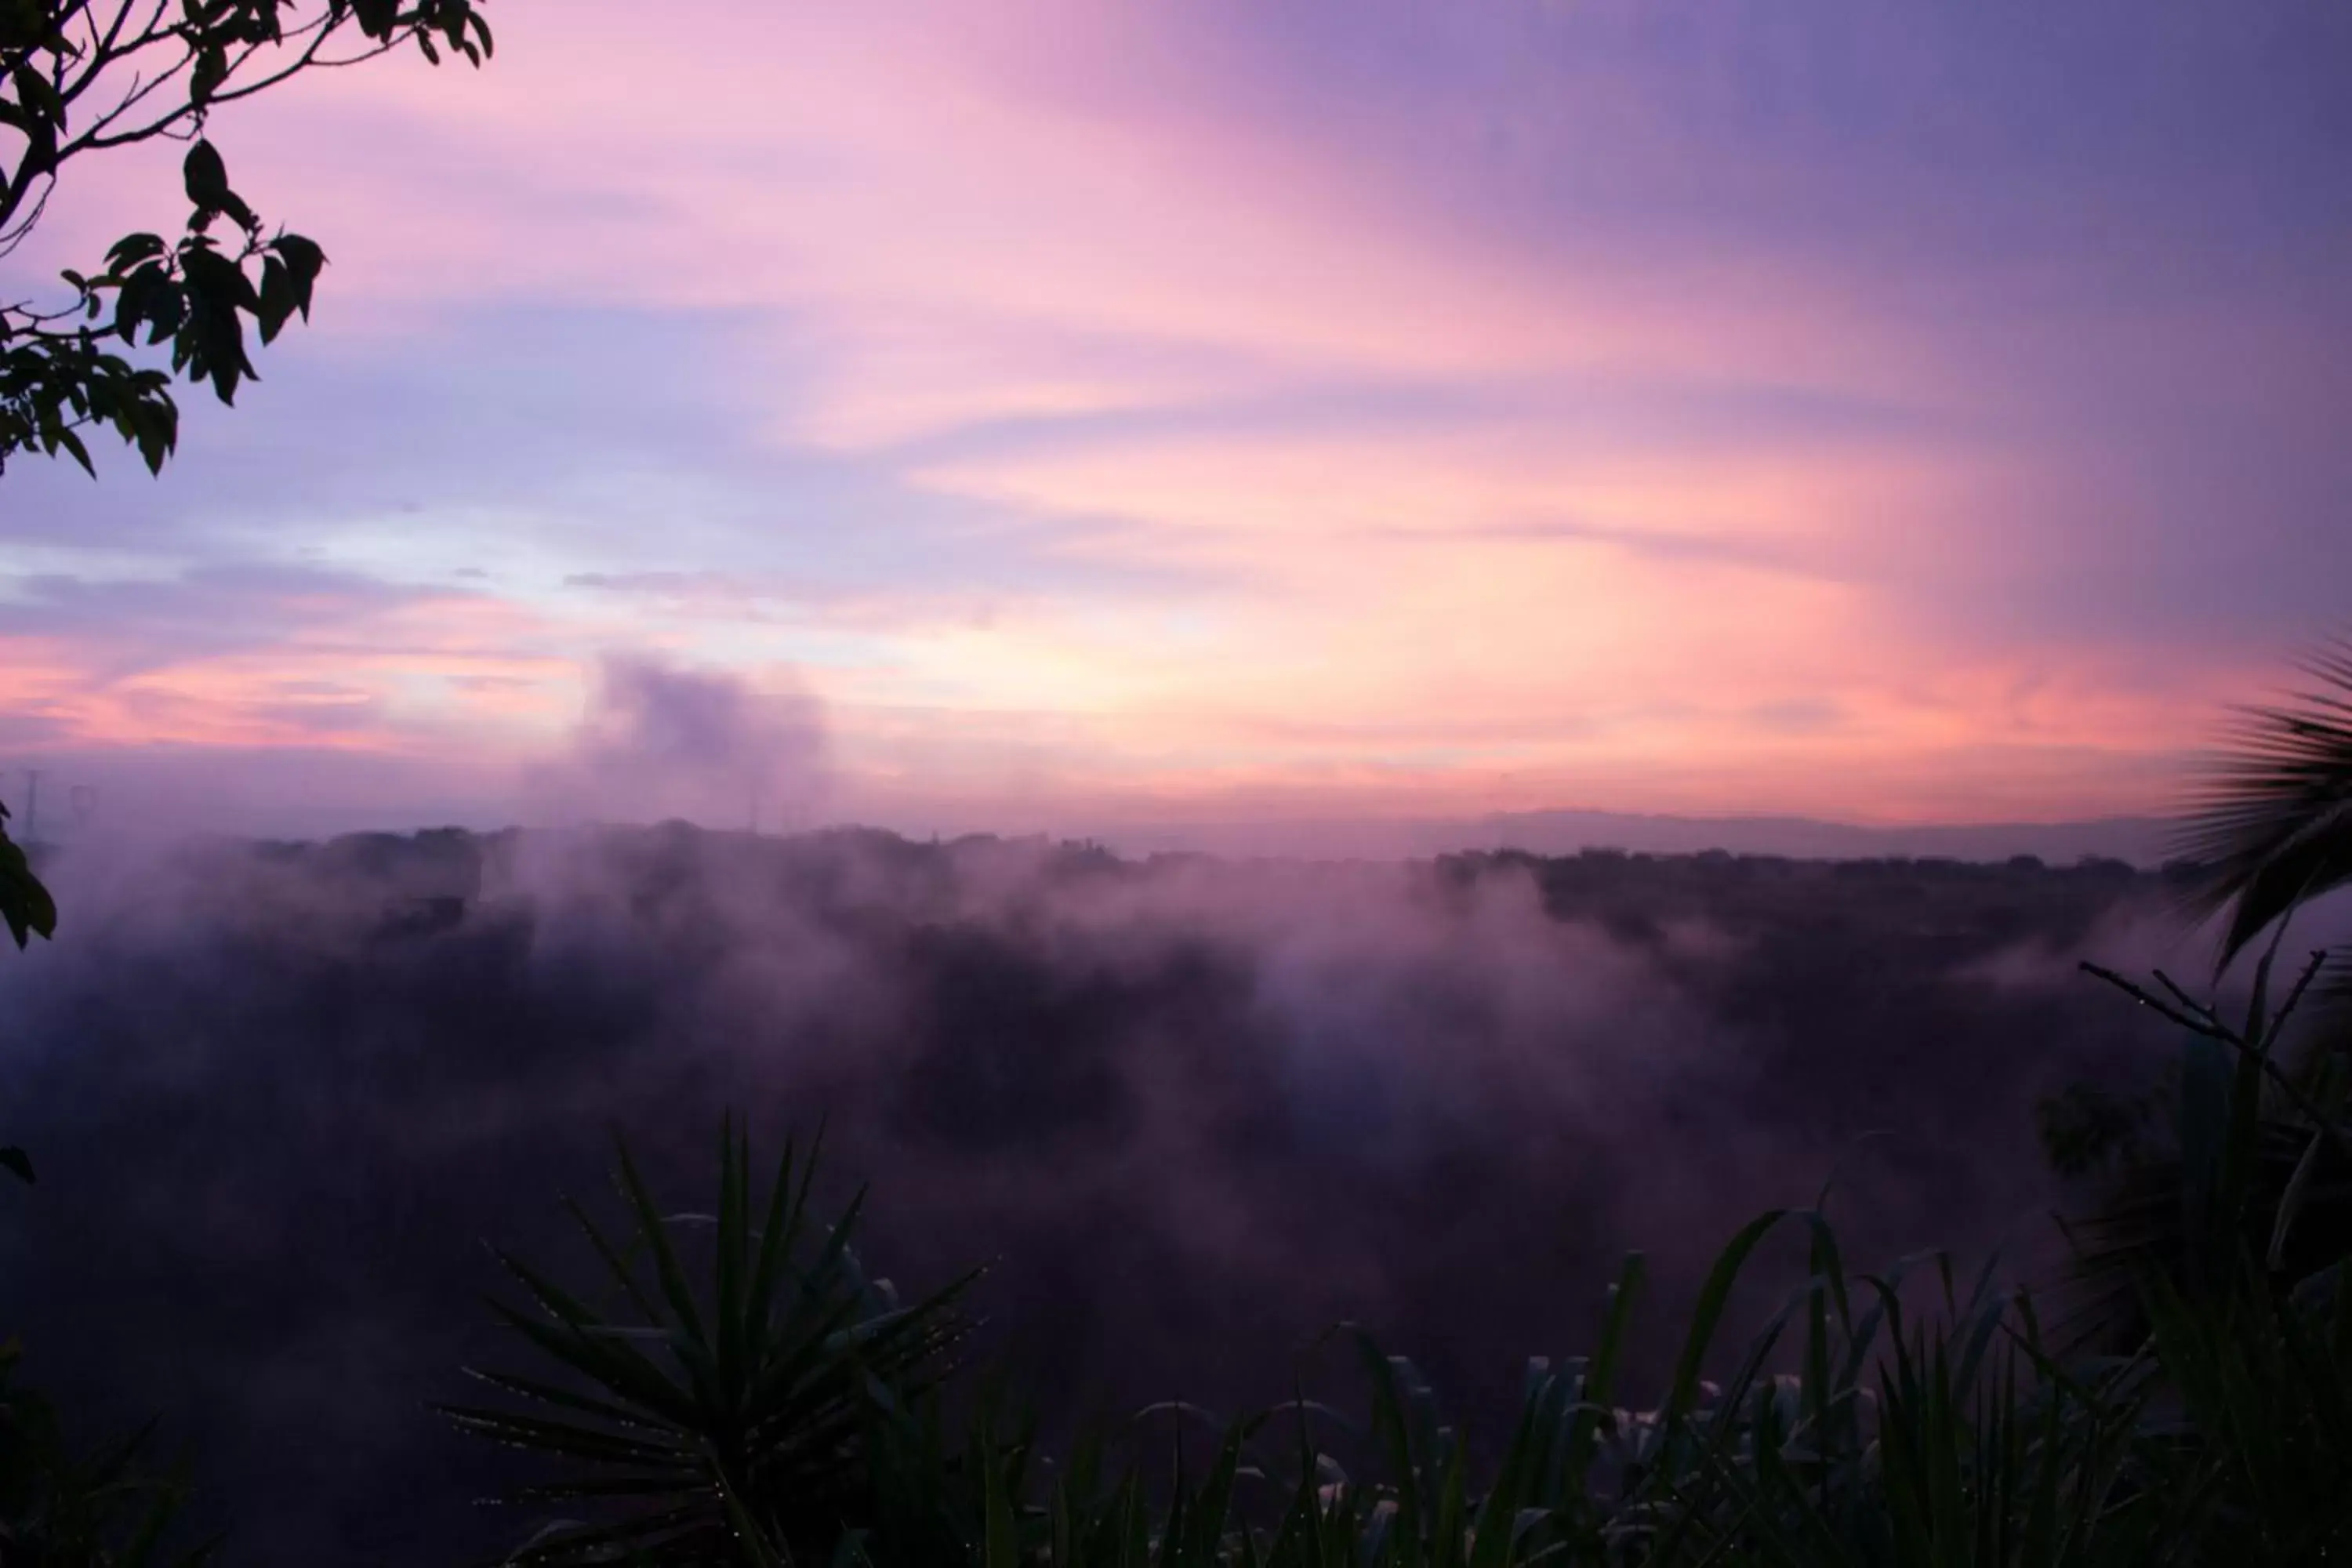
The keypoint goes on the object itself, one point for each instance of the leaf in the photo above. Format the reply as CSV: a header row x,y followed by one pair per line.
x,y
33,91
204,79
15,1160
206,176
133,249
24,904
276,298
303,260
1713,1296
80,453
2290,1201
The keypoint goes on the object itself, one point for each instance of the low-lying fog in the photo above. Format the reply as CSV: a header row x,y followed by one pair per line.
x,y
1189,1111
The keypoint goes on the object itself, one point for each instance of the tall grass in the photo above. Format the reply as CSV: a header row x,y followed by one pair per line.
x,y
781,1409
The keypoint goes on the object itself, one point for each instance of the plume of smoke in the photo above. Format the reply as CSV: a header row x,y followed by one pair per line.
x,y
662,742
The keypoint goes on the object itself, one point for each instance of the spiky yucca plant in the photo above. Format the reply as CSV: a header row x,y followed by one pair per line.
x,y
718,1421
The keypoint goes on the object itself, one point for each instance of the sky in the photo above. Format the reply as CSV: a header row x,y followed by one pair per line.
x,y
1055,415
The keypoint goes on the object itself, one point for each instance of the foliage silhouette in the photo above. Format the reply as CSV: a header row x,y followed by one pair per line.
x,y
723,1420
2261,1151
27,911
82,76
58,1510
1896,1418
2271,822
25,906
2256,1160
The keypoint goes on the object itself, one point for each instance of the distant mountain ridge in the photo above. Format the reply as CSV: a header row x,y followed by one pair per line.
x,y
2137,840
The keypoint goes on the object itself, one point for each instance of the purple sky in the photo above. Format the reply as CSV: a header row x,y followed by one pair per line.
x,y
1070,413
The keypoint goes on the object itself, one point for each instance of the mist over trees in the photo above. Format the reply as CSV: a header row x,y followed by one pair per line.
x,y
1188,1115
1190,1112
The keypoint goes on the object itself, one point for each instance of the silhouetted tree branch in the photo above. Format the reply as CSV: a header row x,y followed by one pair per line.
x,y
79,77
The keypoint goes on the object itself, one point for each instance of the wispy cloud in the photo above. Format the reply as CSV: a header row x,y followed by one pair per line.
x,y
1530,404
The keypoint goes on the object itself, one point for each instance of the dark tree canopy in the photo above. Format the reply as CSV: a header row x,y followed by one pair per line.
x,y
79,77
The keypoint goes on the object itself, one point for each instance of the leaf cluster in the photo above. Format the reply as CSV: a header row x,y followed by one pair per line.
x,y
79,77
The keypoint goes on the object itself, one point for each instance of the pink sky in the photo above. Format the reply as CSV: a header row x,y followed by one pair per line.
x,y
1886,412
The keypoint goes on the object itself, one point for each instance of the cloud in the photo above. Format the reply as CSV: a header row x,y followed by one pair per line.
x,y
661,743
1130,375
240,653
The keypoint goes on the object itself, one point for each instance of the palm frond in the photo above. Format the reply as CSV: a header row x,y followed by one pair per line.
x,y
2270,818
